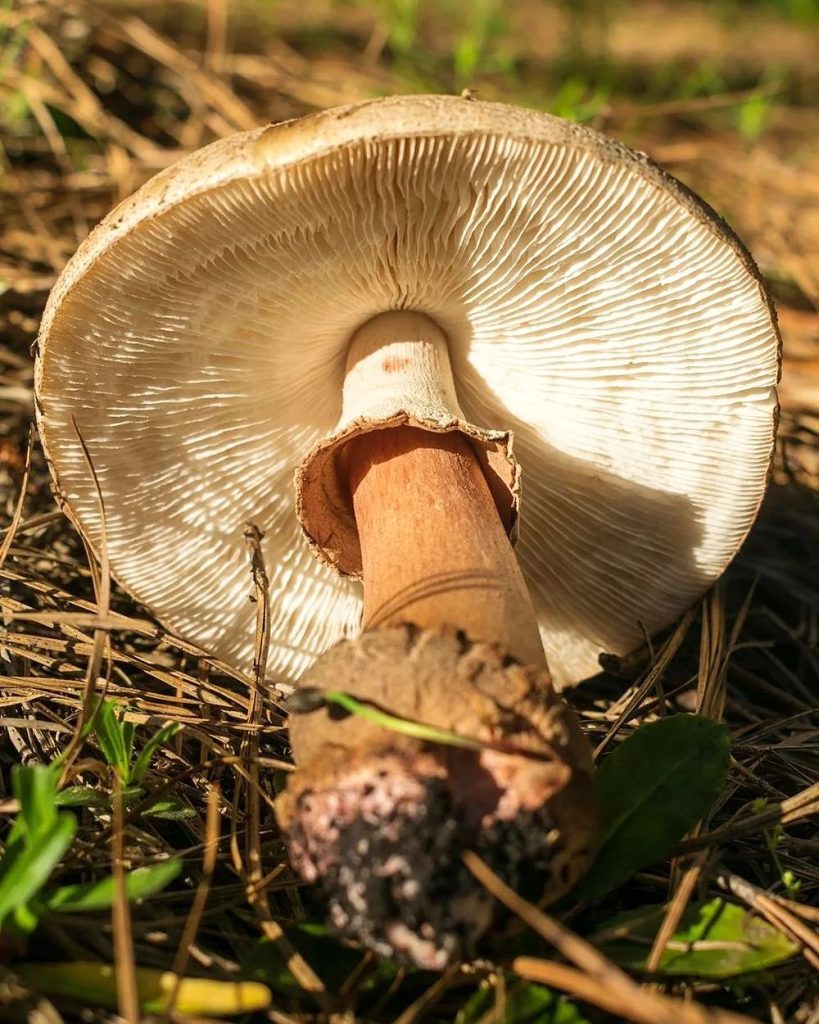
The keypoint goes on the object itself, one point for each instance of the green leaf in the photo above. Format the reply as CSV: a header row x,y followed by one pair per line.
x,y
81,796
405,726
85,897
170,809
652,789
26,918
115,737
94,984
162,735
25,869
715,940
37,840
35,787
525,1003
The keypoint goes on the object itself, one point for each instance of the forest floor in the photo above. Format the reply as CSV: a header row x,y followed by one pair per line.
x,y
94,99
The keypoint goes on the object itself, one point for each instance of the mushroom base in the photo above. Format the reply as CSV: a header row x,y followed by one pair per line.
x,y
383,843
378,820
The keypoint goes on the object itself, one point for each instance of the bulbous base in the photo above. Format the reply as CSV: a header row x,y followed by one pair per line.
x,y
378,819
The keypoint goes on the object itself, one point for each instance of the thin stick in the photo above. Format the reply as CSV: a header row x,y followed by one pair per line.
x,y
776,914
102,590
21,500
565,941
254,875
194,919
216,42
675,911
636,1003
429,997
593,991
651,681
801,805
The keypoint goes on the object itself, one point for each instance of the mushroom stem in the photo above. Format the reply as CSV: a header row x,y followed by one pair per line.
x,y
434,549
403,495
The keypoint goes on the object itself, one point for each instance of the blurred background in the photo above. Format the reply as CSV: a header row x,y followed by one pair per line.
x,y
96,97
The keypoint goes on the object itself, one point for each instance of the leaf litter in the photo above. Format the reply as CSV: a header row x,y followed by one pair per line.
x,y
94,100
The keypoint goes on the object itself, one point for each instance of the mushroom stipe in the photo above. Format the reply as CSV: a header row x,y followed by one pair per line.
x,y
423,308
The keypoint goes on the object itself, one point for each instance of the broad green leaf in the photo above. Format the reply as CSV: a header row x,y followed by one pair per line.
x,y
94,984
25,869
162,735
524,1003
652,789
715,940
81,796
171,809
139,883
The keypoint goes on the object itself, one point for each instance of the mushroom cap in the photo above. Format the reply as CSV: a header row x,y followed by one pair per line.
x,y
593,306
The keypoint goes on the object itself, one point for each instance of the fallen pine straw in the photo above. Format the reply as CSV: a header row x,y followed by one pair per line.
x,y
804,804
676,910
101,575
146,85
18,508
598,980
645,1007
777,914
250,868
194,918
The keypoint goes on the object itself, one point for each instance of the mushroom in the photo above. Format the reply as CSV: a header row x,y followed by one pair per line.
x,y
378,298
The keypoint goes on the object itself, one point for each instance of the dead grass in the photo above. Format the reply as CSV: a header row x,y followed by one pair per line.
x,y
95,99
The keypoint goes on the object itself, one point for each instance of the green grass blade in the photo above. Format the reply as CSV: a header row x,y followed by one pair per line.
x,y
139,884
716,939
94,984
24,871
35,786
114,738
405,726
161,736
